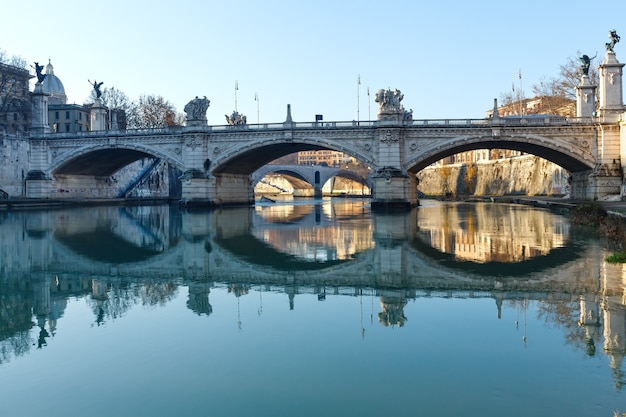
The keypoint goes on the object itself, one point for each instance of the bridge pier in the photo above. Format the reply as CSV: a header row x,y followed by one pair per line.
x,y
218,190
595,184
393,190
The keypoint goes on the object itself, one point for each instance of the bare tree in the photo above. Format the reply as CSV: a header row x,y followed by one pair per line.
x,y
13,60
558,92
14,98
117,102
153,111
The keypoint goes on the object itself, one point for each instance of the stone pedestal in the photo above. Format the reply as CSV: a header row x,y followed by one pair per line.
x,y
40,124
611,106
98,115
585,98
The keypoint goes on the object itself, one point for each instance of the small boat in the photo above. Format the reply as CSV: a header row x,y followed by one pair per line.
x,y
267,200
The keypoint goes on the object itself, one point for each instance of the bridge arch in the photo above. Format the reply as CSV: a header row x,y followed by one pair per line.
x,y
105,159
247,159
307,176
556,150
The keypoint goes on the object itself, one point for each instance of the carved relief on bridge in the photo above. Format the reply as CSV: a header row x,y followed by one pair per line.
x,y
193,142
390,136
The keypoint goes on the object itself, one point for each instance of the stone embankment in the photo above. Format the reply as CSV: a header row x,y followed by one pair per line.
x,y
521,175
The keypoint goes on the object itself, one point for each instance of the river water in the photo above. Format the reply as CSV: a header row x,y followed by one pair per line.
x,y
308,308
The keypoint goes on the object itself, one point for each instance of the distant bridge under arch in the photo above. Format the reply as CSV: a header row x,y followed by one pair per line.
x,y
308,176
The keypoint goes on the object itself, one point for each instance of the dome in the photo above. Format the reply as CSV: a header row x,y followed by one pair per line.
x,y
53,86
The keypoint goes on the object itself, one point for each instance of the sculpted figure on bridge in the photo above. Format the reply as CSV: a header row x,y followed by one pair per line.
x,y
96,87
196,108
614,37
389,101
40,76
236,119
586,63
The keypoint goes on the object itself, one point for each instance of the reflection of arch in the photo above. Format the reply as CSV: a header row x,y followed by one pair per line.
x,y
555,258
118,234
251,250
90,244
552,149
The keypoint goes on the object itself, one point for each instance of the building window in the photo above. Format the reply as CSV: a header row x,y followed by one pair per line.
x,y
67,115
56,115
80,116
67,127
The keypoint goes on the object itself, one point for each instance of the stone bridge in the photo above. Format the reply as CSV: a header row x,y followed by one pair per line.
x,y
308,180
217,162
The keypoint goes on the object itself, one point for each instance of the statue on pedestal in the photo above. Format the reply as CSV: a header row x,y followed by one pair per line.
x,y
586,63
389,101
236,119
614,37
40,76
96,86
196,108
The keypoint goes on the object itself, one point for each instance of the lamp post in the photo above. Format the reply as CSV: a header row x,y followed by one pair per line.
x,y
236,88
358,90
369,117
256,98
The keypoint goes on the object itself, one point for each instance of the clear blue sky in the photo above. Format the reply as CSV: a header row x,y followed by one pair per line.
x,y
450,59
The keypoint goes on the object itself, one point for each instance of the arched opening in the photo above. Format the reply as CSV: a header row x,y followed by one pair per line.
x,y
303,173
116,173
496,169
348,183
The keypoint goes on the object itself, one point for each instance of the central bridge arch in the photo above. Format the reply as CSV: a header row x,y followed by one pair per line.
x,y
250,157
230,169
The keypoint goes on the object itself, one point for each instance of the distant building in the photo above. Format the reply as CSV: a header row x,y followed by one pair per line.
x,y
63,117
532,107
15,99
561,106
68,118
53,86
326,156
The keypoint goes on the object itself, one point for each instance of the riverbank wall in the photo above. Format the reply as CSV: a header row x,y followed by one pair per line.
x,y
521,175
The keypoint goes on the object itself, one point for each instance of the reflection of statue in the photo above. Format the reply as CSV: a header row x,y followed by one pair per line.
x,y
196,108
389,101
40,76
236,119
393,311
586,63
614,37
96,87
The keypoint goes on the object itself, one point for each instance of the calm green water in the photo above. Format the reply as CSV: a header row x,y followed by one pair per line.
x,y
308,309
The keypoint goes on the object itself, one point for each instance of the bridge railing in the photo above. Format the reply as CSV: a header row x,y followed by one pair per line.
x,y
529,120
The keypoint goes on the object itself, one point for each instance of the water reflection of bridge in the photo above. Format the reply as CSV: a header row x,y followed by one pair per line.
x,y
242,245
117,255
